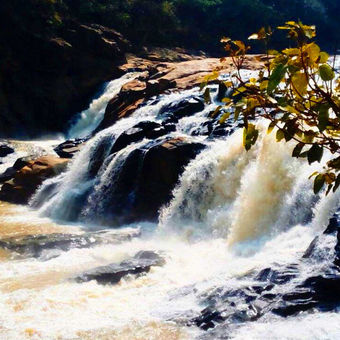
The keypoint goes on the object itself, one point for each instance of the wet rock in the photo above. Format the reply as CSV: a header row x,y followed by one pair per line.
x,y
208,319
130,97
26,180
222,130
183,108
69,148
5,150
37,245
142,180
145,129
159,168
7,174
141,263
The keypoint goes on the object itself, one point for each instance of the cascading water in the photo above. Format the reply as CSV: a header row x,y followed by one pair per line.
x,y
242,195
88,120
233,237
64,197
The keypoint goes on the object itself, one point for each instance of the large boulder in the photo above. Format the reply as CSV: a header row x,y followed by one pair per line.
x,y
26,180
131,96
144,181
144,129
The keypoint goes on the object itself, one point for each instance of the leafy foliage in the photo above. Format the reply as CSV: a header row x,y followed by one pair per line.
x,y
297,91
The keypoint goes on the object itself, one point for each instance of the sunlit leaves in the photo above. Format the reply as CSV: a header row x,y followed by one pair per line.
x,y
206,96
326,72
297,91
299,83
319,182
276,77
262,34
250,134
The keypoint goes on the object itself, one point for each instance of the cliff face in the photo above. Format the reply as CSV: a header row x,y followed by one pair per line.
x,y
46,76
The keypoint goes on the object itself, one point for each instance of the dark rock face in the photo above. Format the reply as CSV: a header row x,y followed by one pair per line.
x,y
113,273
185,107
145,180
46,79
138,132
30,175
5,150
69,148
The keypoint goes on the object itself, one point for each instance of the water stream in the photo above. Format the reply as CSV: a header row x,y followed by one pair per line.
x,y
232,214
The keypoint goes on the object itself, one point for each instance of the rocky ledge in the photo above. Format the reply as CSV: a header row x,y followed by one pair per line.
x,y
22,180
158,78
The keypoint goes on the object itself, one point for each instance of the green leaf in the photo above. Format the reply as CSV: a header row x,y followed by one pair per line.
x,y
276,77
297,150
271,126
212,114
224,117
206,96
315,154
319,182
237,113
323,117
324,56
250,135
326,72
279,135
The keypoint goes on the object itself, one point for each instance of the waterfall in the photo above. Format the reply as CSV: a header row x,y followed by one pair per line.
x,y
88,120
224,192
246,196
241,235
66,196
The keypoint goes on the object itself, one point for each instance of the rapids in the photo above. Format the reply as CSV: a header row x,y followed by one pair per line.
x,y
232,215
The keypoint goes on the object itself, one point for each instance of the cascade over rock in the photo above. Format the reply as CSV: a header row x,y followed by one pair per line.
x,y
142,183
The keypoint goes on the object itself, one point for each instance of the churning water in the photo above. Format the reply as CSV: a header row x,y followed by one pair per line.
x,y
233,213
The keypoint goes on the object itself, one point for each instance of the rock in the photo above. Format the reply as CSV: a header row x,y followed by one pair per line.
x,y
142,180
37,245
159,168
184,107
113,273
26,180
131,96
45,80
5,150
69,148
162,77
145,129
